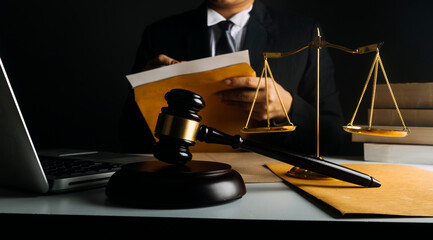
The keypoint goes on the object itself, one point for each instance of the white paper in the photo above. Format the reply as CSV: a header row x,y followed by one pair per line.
x,y
195,66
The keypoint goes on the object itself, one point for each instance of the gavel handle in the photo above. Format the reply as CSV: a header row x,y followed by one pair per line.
x,y
211,135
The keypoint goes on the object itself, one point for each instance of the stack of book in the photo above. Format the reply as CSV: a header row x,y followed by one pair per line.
x,y
415,101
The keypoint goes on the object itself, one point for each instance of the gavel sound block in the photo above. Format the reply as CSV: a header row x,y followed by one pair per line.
x,y
175,181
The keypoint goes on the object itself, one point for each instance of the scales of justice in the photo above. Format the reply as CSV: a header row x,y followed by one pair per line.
x,y
318,44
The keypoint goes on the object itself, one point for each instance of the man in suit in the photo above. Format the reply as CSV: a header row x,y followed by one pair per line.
x,y
196,34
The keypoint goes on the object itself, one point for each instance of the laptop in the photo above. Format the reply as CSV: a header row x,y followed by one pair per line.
x,y
52,171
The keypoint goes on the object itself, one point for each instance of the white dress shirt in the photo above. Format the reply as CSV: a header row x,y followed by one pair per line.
x,y
238,30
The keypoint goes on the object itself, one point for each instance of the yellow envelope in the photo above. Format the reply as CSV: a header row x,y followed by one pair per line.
x,y
228,119
405,190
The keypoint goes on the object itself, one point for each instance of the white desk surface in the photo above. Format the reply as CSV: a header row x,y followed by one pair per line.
x,y
263,201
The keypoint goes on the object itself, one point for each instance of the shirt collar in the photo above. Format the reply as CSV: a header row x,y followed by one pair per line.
x,y
239,19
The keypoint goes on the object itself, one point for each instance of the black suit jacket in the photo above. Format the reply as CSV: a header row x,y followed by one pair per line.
x,y
186,37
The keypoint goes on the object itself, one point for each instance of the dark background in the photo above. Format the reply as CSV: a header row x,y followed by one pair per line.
x,y
67,59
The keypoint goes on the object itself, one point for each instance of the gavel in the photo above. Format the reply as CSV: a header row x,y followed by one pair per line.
x,y
178,128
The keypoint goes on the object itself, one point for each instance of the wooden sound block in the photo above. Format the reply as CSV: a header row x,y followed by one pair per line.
x,y
156,184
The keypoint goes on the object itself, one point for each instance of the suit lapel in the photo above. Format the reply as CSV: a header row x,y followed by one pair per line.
x,y
257,37
199,37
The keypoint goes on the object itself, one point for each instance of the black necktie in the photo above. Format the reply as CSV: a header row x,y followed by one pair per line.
x,y
226,43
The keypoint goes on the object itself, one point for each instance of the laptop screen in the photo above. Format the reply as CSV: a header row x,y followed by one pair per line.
x,y
19,164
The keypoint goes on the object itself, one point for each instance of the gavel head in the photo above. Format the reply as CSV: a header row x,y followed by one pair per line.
x,y
177,126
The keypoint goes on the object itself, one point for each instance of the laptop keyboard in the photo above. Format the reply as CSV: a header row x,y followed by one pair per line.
x,y
68,167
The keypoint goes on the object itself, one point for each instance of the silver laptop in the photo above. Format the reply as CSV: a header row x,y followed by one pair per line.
x,y
22,167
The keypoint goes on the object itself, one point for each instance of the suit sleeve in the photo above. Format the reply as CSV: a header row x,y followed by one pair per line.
x,y
134,134
143,51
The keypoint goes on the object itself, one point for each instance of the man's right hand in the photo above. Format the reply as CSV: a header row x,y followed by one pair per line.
x,y
160,61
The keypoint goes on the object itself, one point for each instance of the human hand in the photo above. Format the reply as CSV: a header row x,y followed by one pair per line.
x,y
242,95
160,61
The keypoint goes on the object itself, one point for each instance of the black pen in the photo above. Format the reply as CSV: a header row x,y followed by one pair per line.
x,y
211,135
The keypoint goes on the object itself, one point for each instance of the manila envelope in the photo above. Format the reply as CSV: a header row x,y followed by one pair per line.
x,y
226,118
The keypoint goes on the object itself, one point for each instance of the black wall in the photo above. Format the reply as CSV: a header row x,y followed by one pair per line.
x,y
67,59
